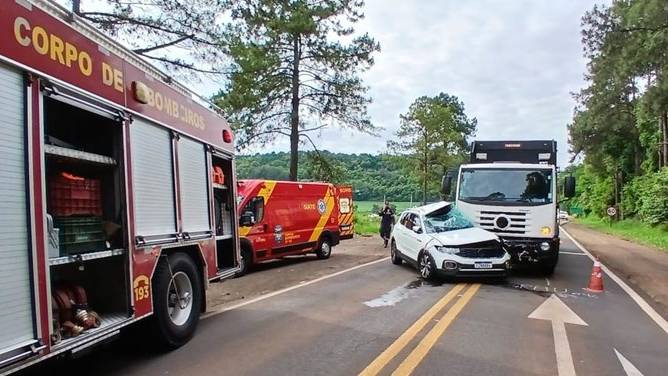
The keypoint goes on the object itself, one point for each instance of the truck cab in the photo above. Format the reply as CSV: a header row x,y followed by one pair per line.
x,y
510,188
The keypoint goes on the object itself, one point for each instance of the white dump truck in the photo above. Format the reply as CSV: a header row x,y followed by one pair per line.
x,y
510,188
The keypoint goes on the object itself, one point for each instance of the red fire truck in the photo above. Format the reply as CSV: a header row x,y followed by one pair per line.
x,y
117,191
282,218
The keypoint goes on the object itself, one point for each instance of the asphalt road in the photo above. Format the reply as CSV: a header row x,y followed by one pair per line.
x,y
381,319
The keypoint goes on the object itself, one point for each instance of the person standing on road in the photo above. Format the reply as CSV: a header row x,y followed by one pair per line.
x,y
386,222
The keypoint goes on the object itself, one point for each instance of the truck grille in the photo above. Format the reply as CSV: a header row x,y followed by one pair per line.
x,y
504,222
490,249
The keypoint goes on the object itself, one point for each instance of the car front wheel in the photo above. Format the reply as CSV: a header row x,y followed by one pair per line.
x,y
427,266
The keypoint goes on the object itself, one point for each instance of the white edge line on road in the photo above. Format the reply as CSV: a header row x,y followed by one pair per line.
x,y
651,312
572,253
281,291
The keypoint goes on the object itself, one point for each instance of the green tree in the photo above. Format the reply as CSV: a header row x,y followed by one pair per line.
x,y
620,123
320,167
621,116
295,70
432,136
157,29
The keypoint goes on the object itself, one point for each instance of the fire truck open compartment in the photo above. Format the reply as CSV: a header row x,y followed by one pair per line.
x,y
105,283
85,200
223,212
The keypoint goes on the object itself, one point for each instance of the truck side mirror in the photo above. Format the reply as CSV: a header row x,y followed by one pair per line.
x,y
569,186
446,184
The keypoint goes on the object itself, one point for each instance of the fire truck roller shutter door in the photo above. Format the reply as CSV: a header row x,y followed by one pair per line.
x,y
16,325
155,212
193,186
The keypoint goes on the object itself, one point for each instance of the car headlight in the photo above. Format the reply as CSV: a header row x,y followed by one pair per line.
x,y
448,250
545,230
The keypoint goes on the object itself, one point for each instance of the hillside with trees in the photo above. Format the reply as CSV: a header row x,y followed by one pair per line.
x,y
372,176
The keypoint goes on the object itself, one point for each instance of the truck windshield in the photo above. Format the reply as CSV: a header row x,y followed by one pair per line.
x,y
446,219
516,187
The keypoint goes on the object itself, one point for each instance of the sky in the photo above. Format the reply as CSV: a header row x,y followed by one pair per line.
x,y
513,63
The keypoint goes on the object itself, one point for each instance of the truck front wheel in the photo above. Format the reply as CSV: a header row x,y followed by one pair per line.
x,y
177,300
547,266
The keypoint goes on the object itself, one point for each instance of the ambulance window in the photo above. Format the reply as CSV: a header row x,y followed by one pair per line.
x,y
256,207
344,205
259,208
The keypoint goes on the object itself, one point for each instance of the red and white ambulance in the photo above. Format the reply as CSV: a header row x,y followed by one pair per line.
x,y
282,218
117,191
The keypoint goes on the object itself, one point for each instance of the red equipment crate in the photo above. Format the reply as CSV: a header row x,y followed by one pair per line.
x,y
218,176
74,195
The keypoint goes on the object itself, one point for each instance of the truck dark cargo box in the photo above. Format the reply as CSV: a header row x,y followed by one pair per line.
x,y
528,151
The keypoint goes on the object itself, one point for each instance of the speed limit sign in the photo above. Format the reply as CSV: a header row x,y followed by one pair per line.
x,y
612,211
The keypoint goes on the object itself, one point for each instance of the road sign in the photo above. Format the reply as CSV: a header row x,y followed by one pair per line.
x,y
612,211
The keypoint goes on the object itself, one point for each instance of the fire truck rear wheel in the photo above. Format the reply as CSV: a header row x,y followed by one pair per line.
x,y
324,248
177,300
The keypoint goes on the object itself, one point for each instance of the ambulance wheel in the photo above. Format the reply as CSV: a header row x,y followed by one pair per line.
x,y
177,300
324,248
245,262
394,253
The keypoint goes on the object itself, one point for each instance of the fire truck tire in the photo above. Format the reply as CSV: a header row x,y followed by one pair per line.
x,y
177,300
394,254
324,249
246,261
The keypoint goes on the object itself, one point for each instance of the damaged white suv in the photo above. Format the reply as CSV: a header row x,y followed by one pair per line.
x,y
439,240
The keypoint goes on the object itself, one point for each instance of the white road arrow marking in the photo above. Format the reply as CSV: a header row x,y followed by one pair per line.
x,y
629,368
554,310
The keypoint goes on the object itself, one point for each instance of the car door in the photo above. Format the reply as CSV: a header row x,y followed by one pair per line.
x,y
399,232
413,239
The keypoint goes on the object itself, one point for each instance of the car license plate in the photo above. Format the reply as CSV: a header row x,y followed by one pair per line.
x,y
483,265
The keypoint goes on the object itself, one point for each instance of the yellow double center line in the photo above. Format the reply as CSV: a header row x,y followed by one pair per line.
x,y
420,351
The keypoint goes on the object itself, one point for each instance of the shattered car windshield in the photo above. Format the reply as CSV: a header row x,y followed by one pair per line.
x,y
446,219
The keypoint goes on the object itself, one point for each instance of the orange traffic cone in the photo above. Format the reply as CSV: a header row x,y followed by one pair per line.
x,y
596,280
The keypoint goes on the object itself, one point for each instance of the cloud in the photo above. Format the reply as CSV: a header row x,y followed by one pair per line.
x,y
512,63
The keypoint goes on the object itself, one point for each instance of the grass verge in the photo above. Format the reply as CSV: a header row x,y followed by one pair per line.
x,y
632,230
366,222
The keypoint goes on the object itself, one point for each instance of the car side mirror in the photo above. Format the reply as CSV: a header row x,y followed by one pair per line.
x,y
569,186
247,219
417,229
